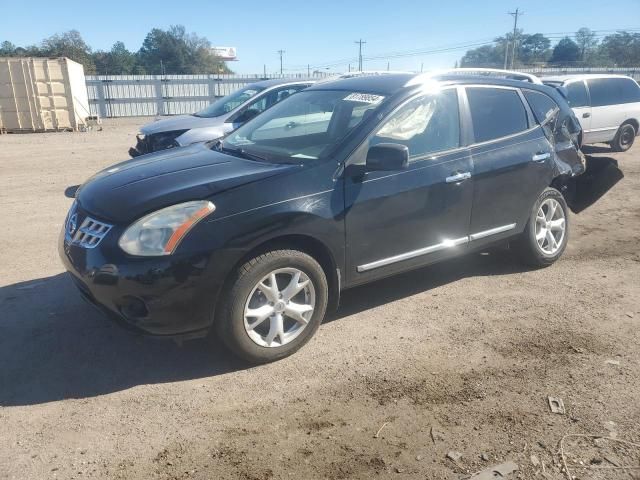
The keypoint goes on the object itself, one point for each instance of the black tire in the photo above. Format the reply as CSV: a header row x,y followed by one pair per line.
x,y
527,247
229,320
624,138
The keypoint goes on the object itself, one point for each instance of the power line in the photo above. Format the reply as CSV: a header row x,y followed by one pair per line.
x,y
449,48
360,43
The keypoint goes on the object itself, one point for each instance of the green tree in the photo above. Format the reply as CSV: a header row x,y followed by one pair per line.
x,y
71,45
622,49
7,49
118,61
586,41
566,52
174,51
533,48
485,56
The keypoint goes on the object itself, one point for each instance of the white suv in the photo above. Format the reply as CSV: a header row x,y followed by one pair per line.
x,y
607,106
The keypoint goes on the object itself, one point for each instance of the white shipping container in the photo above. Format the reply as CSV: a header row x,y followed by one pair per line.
x,y
42,94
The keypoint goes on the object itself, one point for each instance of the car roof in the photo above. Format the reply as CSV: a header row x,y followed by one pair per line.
x,y
393,83
578,77
380,84
274,82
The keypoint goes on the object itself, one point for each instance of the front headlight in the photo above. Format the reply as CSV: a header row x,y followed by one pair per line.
x,y
159,233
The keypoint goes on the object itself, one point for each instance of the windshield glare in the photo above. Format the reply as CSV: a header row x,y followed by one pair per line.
x,y
303,127
230,102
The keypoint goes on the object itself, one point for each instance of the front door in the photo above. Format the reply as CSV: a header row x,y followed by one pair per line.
x,y
397,220
578,99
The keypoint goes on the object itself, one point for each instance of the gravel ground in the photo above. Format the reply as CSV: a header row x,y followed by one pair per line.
x,y
458,357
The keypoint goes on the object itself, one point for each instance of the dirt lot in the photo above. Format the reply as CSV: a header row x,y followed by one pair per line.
x,y
457,357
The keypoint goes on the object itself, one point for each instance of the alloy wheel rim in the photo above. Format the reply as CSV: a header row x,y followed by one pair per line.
x,y
551,226
279,307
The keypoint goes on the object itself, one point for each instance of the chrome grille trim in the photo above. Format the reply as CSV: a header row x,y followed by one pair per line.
x,y
90,233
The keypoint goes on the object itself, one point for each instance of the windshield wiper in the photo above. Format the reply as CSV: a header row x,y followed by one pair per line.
x,y
239,152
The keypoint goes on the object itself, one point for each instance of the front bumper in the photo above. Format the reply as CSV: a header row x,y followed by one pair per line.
x,y
170,296
155,142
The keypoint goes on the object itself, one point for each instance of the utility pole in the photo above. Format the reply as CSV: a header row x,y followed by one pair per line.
x,y
360,43
514,50
308,70
264,70
281,52
421,67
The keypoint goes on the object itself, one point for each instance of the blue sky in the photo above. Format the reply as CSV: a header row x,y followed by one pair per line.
x,y
316,32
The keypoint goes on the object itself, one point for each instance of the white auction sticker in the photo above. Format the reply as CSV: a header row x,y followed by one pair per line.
x,y
364,98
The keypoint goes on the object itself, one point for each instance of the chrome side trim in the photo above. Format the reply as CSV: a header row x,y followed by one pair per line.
x,y
434,248
415,253
492,231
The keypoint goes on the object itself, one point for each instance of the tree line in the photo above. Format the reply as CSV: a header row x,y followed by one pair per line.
x,y
583,49
171,51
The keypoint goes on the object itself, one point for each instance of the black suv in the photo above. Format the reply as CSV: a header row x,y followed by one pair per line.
x,y
342,184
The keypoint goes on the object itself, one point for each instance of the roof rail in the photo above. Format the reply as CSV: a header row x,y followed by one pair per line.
x,y
491,72
359,73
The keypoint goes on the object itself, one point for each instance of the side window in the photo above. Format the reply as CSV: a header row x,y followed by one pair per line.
x,y
542,106
425,125
259,105
629,90
496,113
577,93
613,91
287,92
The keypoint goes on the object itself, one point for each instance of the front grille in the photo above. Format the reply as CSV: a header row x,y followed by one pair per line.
x,y
90,233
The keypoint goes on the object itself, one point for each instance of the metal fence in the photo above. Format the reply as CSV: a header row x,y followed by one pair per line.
x,y
153,95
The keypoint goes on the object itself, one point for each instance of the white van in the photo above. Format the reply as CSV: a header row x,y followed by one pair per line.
x,y
607,106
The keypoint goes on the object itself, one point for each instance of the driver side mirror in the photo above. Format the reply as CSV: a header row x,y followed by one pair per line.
x,y
388,156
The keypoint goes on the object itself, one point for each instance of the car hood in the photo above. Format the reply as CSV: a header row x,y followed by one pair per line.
x,y
131,189
180,122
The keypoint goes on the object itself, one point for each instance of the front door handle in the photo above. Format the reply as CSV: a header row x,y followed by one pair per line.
x,y
458,177
586,115
541,157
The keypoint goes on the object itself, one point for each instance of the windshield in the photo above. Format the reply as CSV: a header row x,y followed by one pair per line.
x,y
230,102
304,127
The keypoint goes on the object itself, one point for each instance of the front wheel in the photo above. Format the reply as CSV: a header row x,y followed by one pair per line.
x,y
547,232
624,138
273,305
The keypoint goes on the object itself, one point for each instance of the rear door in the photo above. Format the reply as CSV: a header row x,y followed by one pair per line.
x,y
578,98
559,128
511,158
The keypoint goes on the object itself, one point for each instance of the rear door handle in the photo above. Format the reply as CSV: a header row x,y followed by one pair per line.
x,y
586,115
541,157
458,177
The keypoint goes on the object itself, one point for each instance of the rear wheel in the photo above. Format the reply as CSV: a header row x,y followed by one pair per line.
x,y
624,138
273,306
547,231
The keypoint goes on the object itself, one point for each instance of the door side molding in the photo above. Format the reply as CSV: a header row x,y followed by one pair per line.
x,y
434,248
412,254
492,231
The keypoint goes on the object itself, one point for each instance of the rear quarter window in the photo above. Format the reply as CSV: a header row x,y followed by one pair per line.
x,y
542,106
613,91
496,113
